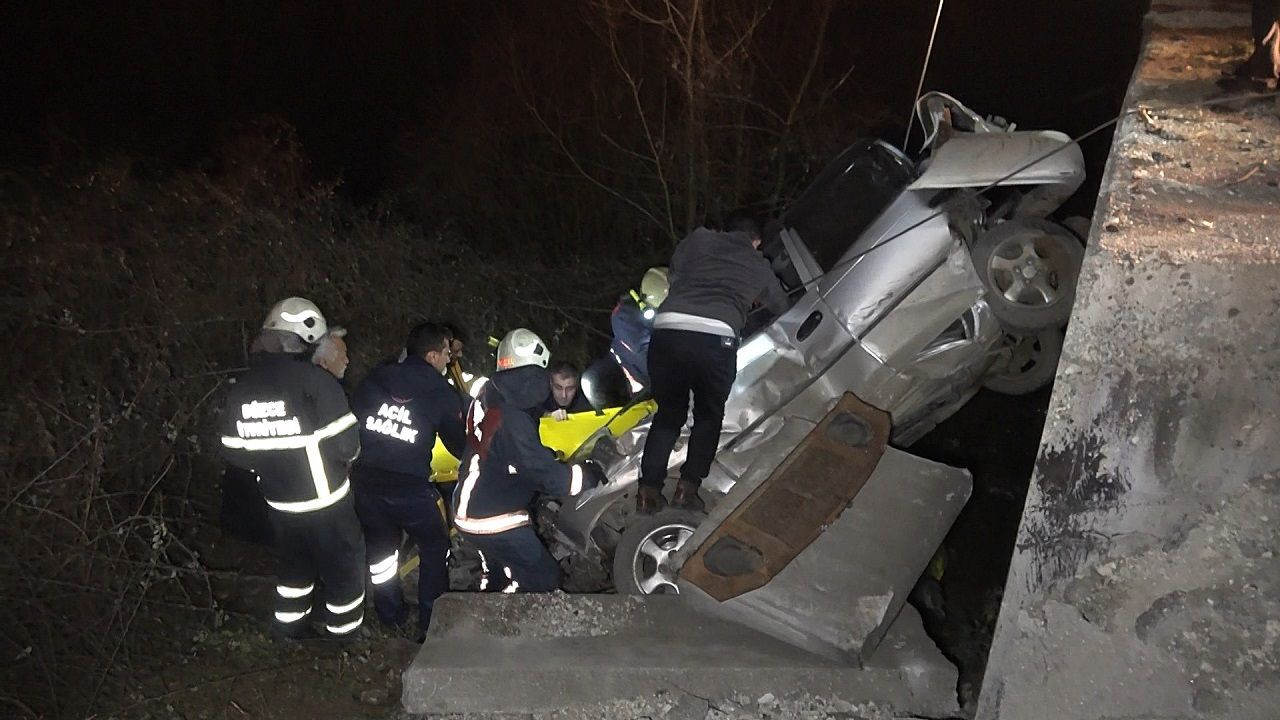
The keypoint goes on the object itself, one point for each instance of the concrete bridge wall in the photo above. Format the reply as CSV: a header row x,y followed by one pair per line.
x,y
1145,582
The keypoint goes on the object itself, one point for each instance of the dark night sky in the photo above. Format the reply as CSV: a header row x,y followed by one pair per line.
x,y
362,80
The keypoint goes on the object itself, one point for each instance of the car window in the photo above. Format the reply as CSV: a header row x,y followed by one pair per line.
x,y
847,196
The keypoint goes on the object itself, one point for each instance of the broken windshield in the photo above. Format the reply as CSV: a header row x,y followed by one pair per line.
x,y
846,196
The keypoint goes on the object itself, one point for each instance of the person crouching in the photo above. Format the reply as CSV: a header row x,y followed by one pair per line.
x,y
505,467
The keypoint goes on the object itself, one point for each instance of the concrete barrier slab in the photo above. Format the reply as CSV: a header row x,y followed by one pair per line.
x,y
494,653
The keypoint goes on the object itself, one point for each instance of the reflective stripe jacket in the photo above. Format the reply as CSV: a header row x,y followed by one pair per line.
x,y
505,465
288,421
400,408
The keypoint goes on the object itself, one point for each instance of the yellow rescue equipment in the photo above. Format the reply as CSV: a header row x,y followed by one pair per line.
x,y
562,436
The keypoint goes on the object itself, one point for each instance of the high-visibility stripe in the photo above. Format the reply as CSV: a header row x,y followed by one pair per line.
x,y
385,563
385,569
344,629
575,480
294,442
289,617
335,427
319,503
286,591
468,485
484,571
512,585
491,525
339,609
318,476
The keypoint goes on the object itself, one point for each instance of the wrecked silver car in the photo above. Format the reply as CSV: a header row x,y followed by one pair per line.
x,y
909,291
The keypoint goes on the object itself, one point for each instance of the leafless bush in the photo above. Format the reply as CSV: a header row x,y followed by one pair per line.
x,y
695,107
130,295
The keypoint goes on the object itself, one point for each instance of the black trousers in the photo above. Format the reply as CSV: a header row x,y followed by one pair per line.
x,y
388,510
684,363
1265,61
516,561
323,545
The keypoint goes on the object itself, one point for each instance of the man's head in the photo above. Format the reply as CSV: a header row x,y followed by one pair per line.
x,y
457,340
564,383
331,352
430,342
744,223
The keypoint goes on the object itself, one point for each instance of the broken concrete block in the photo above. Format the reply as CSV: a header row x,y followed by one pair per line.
x,y
491,653
840,594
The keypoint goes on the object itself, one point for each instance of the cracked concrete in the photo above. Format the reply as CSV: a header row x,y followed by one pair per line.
x,y
1145,583
544,656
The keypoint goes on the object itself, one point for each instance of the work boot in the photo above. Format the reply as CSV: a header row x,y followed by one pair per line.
x,y
686,497
649,500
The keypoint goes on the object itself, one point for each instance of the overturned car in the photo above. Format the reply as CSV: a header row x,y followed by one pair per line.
x,y
912,285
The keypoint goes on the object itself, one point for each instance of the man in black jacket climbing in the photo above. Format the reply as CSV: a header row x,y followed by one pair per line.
x,y
505,467
402,408
287,421
715,278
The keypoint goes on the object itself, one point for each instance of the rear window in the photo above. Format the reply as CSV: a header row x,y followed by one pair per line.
x,y
847,196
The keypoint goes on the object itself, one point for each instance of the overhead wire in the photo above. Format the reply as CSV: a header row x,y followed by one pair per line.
x,y
923,71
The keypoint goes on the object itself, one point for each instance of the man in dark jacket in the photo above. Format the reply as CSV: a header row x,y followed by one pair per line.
x,y
715,278
506,466
401,408
287,421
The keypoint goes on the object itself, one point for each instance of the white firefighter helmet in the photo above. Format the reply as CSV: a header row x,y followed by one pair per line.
x,y
654,286
522,347
299,316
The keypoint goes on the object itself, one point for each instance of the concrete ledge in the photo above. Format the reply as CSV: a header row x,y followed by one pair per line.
x,y
1144,583
494,653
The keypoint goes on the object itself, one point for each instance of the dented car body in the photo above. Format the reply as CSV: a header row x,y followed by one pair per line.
x,y
886,306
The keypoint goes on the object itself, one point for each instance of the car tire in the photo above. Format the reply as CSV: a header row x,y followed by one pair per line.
x,y
1031,364
1030,268
639,563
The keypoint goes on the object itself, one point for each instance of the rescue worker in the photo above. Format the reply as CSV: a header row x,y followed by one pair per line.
x,y
632,323
401,408
715,278
287,420
566,392
505,467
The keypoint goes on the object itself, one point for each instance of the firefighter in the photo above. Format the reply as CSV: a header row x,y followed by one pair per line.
x,y
505,467
632,324
716,276
401,408
287,420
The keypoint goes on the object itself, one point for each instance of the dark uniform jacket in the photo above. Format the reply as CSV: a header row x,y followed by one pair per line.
x,y
401,407
505,465
631,333
288,421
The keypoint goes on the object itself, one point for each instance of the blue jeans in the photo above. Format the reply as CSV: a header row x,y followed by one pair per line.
x,y
521,553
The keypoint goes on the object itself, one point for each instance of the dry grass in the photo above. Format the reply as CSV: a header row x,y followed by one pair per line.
x,y
129,297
